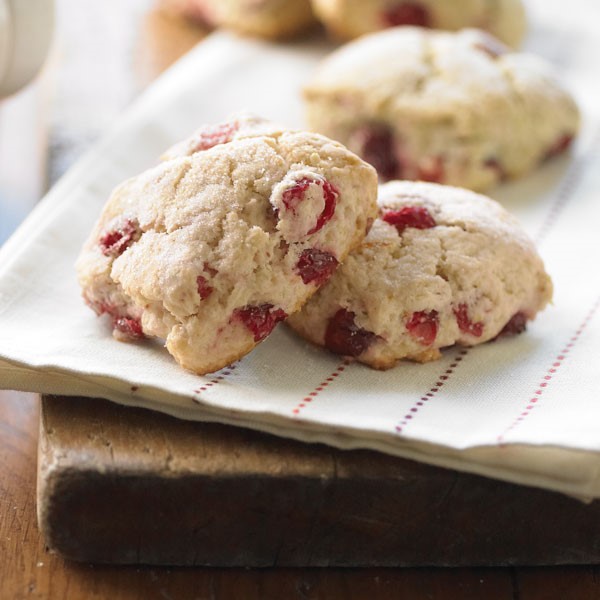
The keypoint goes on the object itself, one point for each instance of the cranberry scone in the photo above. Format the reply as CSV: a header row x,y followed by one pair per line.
x,y
347,19
230,234
270,19
440,266
454,108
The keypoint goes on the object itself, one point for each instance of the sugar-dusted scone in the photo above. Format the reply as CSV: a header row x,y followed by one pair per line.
x,y
234,231
348,19
440,266
454,108
262,18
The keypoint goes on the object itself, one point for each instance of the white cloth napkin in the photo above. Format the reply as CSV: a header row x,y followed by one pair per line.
x,y
525,409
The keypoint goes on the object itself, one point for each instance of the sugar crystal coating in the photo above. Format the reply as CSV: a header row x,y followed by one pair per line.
x,y
234,230
441,266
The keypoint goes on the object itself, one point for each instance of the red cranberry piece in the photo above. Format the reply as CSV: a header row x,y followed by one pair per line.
x,y
417,217
316,266
204,289
516,324
376,143
344,336
116,241
210,270
561,145
294,195
213,135
130,327
461,312
432,170
260,320
407,13
423,326
331,195
494,165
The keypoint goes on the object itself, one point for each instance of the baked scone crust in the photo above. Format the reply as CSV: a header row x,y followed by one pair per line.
x,y
232,232
440,266
348,19
453,108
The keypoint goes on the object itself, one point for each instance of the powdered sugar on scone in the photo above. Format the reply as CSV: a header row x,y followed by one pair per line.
x,y
440,266
203,252
454,108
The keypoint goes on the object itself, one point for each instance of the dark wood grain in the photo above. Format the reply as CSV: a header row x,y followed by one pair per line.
x,y
130,486
565,584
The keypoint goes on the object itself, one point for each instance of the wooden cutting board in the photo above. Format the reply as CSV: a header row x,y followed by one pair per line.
x,y
121,485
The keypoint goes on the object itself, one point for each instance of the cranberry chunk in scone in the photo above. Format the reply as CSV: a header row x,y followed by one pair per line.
x,y
348,19
260,320
440,266
345,337
453,108
316,266
407,13
231,233
423,326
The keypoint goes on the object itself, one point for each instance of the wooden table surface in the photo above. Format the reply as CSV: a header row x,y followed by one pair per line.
x,y
104,54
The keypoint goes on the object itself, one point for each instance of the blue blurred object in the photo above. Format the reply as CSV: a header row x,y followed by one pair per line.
x,y
10,217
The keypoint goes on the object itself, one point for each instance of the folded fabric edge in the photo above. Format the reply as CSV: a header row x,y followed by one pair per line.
x,y
515,463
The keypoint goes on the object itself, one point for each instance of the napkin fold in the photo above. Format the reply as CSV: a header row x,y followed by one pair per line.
x,y
525,409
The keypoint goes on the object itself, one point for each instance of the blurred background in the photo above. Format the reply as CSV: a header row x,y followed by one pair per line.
x,y
103,54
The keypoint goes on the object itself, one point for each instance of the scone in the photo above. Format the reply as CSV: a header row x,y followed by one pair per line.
x,y
348,19
262,18
440,266
234,231
454,108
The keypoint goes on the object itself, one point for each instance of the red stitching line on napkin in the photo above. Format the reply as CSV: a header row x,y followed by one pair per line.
x,y
566,190
433,390
550,373
227,371
332,377
564,194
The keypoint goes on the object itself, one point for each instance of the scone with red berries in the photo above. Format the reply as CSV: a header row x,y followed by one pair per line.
x,y
454,108
347,19
261,18
440,266
230,234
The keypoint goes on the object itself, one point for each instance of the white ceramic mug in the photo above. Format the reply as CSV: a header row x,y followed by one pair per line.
x,y
25,32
